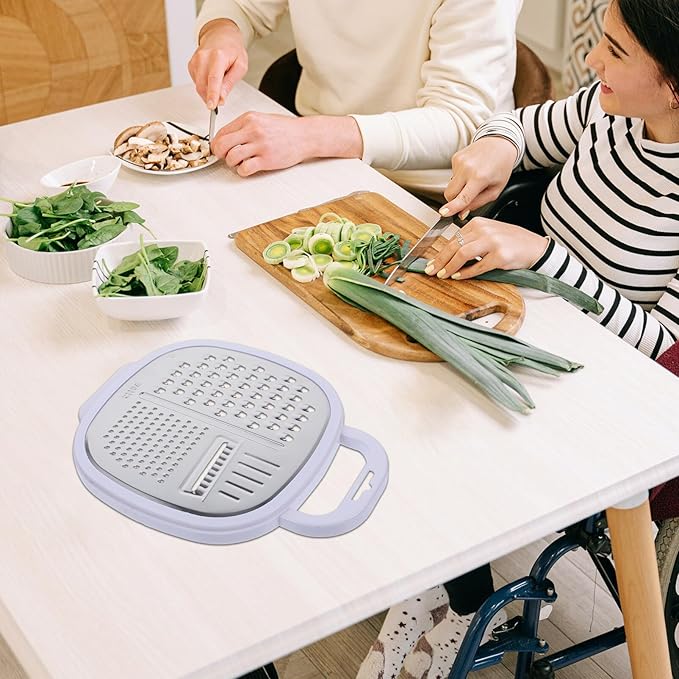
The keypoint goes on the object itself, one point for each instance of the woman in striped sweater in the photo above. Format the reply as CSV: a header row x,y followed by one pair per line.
x,y
611,218
612,213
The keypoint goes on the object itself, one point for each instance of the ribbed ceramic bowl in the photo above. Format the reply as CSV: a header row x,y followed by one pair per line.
x,y
51,267
157,308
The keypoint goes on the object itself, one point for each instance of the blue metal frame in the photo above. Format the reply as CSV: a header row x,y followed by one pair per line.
x,y
520,635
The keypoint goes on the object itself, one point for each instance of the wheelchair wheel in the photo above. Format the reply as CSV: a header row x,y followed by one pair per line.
x,y
667,550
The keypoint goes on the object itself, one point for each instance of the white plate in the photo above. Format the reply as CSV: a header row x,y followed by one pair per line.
x,y
138,168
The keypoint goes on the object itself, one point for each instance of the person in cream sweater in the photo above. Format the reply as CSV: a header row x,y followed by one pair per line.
x,y
401,84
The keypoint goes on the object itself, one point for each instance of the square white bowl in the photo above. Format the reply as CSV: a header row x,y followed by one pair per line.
x,y
156,308
97,174
74,266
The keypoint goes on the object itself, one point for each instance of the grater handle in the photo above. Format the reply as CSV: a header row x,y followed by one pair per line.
x,y
352,511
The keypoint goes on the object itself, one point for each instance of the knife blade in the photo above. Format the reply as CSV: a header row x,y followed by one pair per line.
x,y
423,244
213,118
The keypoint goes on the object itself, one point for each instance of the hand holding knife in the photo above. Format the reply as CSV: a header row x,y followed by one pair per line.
x,y
424,243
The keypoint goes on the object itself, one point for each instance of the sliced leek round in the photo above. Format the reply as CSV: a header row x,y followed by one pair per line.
x,y
322,261
295,241
334,230
361,236
344,251
330,217
306,273
307,237
375,229
347,230
276,252
296,259
321,244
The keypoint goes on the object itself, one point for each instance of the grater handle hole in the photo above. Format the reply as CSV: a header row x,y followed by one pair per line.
x,y
366,486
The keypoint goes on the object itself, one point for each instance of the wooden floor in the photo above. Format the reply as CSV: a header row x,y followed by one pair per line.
x,y
576,609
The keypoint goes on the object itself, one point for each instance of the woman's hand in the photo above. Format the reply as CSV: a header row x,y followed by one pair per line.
x,y
220,61
480,172
270,141
500,246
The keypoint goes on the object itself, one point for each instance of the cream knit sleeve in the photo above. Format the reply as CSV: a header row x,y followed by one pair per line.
x,y
469,43
255,18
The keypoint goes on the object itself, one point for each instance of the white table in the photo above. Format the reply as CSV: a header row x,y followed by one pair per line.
x,y
85,592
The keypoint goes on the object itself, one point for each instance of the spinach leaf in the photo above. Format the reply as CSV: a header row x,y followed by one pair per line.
x,y
103,235
25,215
131,217
119,207
167,283
187,270
153,271
67,206
32,243
74,219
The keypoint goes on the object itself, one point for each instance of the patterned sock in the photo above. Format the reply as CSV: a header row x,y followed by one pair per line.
x,y
404,625
435,652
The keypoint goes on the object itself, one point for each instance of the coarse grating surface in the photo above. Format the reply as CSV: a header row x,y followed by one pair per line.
x,y
209,430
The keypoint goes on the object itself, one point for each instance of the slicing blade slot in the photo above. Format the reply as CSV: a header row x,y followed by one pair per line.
x,y
211,469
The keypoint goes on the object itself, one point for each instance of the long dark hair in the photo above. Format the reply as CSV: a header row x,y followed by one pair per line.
x,y
655,25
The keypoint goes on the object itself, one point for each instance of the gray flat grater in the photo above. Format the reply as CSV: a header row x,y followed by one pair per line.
x,y
221,443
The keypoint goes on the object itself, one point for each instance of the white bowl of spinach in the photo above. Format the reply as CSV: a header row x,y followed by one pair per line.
x,y
152,280
53,239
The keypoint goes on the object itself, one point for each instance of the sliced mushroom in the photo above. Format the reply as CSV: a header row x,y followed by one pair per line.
x,y
119,150
126,134
139,141
177,164
153,131
191,156
157,157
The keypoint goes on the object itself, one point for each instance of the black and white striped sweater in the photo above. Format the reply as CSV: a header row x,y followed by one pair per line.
x,y
612,212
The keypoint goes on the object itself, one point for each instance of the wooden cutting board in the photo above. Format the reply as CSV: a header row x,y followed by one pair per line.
x,y
469,299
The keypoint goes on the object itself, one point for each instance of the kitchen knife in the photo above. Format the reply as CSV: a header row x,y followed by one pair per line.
x,y
213,118
423,244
